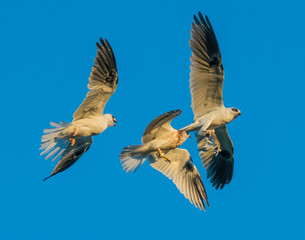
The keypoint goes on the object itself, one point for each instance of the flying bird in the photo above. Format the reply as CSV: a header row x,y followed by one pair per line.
x,y
72,140
159,136
210,115
160,142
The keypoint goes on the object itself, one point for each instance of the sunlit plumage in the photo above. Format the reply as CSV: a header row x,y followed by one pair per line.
x,y
210,115
70,140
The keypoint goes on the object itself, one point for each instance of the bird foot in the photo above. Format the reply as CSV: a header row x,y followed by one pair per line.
x,y
72,141
162,155
217,150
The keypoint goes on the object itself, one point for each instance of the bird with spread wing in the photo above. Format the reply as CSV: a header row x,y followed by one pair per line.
x,y
210,115
71,140
160,141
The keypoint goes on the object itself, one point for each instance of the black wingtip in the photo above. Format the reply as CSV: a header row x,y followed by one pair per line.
x,y
177,111
196,20
47,178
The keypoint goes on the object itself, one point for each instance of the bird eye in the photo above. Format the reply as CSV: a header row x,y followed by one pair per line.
x,y
234,110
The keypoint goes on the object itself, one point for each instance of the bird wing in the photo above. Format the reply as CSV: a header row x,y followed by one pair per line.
x,y
103,81
207,74
160,126
72,154
184,174
219,168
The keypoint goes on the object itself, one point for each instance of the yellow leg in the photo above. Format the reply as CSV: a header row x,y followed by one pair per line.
x,y
72,141
162,155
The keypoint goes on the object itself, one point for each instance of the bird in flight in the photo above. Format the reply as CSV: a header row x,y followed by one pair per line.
x,y
210,116
71,140
160,142
159,136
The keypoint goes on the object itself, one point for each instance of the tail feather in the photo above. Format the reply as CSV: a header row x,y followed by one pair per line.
x,y
52,143
47,147
132,157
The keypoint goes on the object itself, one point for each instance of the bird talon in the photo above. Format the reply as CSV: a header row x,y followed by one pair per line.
x,y
160,154
72,141
217,151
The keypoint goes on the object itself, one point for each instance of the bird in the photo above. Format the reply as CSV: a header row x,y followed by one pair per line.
x,y
160,142
158,136
71,140
210,116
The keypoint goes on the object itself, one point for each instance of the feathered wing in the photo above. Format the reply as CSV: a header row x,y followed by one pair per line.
x,y
103,81
160,126
184,174
207,74
72,154
219,167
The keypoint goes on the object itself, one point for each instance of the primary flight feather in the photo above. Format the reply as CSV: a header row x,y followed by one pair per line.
x,y
71,140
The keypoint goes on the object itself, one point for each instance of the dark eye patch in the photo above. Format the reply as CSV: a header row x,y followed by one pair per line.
x,y
234,110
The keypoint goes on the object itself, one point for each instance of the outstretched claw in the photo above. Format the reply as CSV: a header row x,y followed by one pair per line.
x,y
72,141
162,155
217,151
72,138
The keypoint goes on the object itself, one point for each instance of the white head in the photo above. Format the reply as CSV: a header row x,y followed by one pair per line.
x,y
234,112
111,119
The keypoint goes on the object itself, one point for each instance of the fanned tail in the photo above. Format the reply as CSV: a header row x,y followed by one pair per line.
x,y
52,143
133,156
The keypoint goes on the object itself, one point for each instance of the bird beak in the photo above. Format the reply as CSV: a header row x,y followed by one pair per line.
x,y
115,121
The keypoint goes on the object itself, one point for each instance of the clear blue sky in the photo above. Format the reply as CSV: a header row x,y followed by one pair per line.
x,y
47,51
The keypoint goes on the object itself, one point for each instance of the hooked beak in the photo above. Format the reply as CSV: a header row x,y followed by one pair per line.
x,y
115,121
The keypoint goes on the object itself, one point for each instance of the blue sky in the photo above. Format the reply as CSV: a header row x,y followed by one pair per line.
x,y
47,51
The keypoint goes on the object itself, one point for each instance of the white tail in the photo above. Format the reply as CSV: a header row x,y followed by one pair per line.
x,y
133,156
51,143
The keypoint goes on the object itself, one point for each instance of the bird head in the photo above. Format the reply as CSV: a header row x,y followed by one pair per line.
x,y
234,112
111,120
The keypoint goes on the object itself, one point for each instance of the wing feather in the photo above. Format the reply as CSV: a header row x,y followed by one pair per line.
x,y
103,81
219,168
160,126
72,154
206,77
184,174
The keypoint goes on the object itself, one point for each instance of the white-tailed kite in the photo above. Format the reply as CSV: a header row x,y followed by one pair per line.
x,y
158,136
210,115
160,142
71,140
